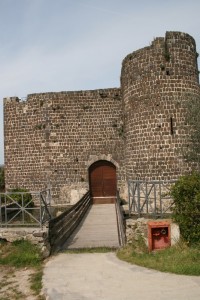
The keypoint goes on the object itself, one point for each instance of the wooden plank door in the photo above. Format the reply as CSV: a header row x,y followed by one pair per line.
x,y
102,177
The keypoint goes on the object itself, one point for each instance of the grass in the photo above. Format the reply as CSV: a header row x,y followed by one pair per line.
x,y
20,254
18,295
36,283
179,259
23,254
5,283
90,250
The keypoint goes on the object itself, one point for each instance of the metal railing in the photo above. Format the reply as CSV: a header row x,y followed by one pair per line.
x,y
26,209
150,197
120,222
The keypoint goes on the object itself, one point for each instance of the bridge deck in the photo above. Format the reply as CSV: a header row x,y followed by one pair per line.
x,y
97,229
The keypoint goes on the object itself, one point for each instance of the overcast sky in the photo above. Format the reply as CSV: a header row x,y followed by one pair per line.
x,y
61,45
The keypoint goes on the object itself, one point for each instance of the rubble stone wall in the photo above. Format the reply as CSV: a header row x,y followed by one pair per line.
x,y
37,236
157,81
51,138
137,228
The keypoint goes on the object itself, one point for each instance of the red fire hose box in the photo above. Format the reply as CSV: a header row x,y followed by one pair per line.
x,y
159,236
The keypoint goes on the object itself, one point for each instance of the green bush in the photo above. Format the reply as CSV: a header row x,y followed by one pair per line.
x,y
186,211
27,197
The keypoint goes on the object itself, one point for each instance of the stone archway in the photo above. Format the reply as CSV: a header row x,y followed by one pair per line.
x,y
94,158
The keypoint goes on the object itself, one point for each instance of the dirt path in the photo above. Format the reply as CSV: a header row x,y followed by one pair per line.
x,y
15,284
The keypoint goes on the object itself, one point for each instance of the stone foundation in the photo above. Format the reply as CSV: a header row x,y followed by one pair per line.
x,y
37,236
72,193
139,227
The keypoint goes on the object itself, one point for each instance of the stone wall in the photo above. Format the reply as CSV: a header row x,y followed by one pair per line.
x,y
136,228
51,138
156,83
37,236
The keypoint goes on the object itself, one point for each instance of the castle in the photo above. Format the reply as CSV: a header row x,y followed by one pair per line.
x,y
136,131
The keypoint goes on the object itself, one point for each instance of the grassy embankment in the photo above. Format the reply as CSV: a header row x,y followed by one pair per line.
x,y
22,255
179,259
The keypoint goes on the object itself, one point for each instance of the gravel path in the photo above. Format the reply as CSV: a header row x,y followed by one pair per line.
x,y
102,276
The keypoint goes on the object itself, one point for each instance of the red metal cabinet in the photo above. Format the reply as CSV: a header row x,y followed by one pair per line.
x,y
159,236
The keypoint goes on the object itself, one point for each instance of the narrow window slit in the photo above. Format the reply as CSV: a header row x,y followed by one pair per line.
x,y
171,126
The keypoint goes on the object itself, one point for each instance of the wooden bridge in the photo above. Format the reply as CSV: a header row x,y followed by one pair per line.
x,y
96,220
98,228
87,225
84,225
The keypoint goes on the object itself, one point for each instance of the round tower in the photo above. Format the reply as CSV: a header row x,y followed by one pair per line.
x,y
156,83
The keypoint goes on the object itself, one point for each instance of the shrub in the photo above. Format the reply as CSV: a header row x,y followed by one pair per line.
x,y
17,196
186,211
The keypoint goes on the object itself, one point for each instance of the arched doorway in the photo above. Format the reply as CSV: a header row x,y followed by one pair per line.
x,y
103,182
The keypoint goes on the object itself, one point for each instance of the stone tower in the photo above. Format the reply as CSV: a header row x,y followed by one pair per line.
x,y
156,81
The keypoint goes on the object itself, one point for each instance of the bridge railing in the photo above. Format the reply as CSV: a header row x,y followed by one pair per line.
x,y
120,221
25,209
61,227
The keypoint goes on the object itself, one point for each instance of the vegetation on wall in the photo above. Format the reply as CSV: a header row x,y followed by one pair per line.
x,y
186,211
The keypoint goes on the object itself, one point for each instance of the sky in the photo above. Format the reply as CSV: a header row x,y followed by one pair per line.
x,y
70,45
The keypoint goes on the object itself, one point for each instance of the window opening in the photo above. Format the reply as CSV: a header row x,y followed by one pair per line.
x,y
171,126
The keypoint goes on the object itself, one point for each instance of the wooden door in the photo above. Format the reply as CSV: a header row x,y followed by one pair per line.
x,y
102,178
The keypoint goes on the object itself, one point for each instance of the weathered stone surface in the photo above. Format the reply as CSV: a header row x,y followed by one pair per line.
x,y
156,83
37,236
72,193
136,228
53,138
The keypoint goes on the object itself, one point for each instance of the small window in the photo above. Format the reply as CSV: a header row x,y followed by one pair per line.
x,y
171,126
